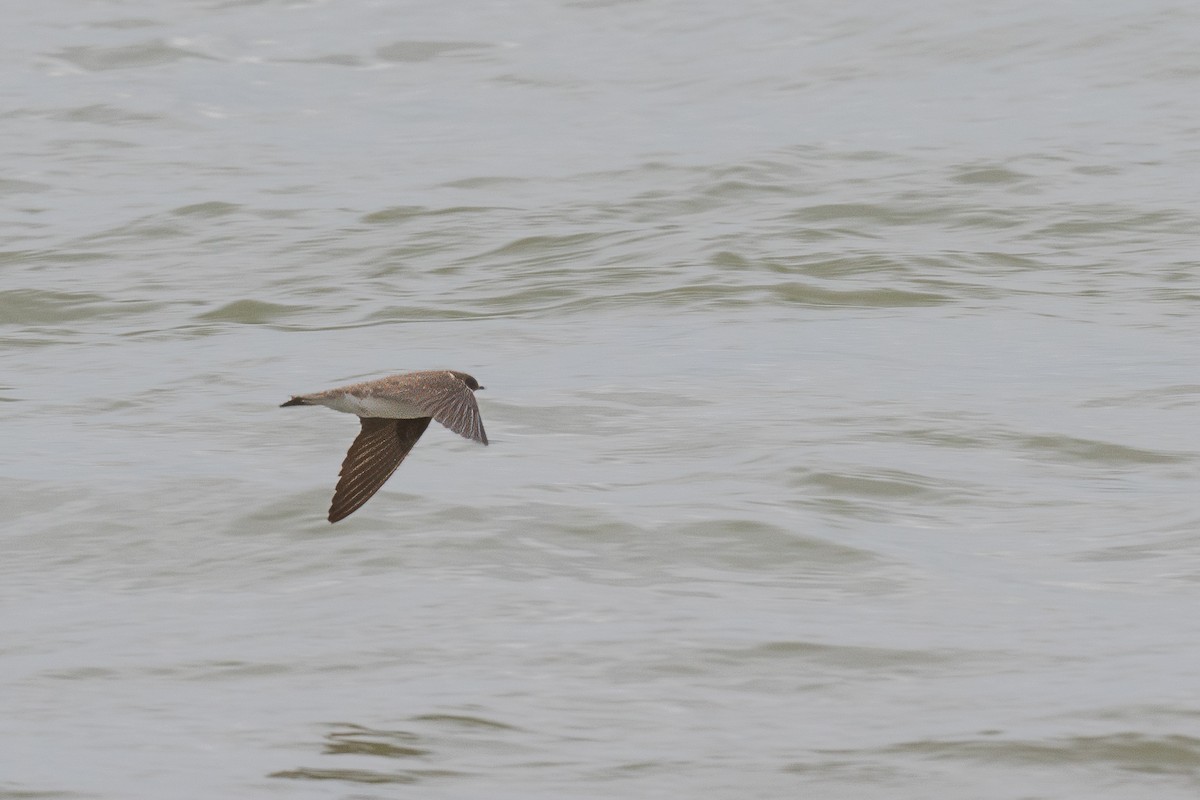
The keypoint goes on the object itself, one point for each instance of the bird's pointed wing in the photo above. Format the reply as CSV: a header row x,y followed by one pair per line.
x,y
380,447
449,401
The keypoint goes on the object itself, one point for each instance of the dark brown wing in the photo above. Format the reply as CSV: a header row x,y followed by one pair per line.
x,y
451,402
380,447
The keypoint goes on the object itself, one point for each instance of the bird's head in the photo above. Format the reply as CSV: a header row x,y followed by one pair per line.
x,y
471,383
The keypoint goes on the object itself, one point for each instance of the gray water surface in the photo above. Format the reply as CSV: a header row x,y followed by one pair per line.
x,y
842,388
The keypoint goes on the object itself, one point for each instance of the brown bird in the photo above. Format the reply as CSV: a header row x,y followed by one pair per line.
x,y
394,412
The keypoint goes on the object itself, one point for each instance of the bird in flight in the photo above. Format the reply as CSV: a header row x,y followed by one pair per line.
x,y
394,412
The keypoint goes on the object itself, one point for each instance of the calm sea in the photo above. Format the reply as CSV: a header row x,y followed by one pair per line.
x,y
843,379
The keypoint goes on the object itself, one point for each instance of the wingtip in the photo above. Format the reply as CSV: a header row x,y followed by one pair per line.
x,y
337,512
